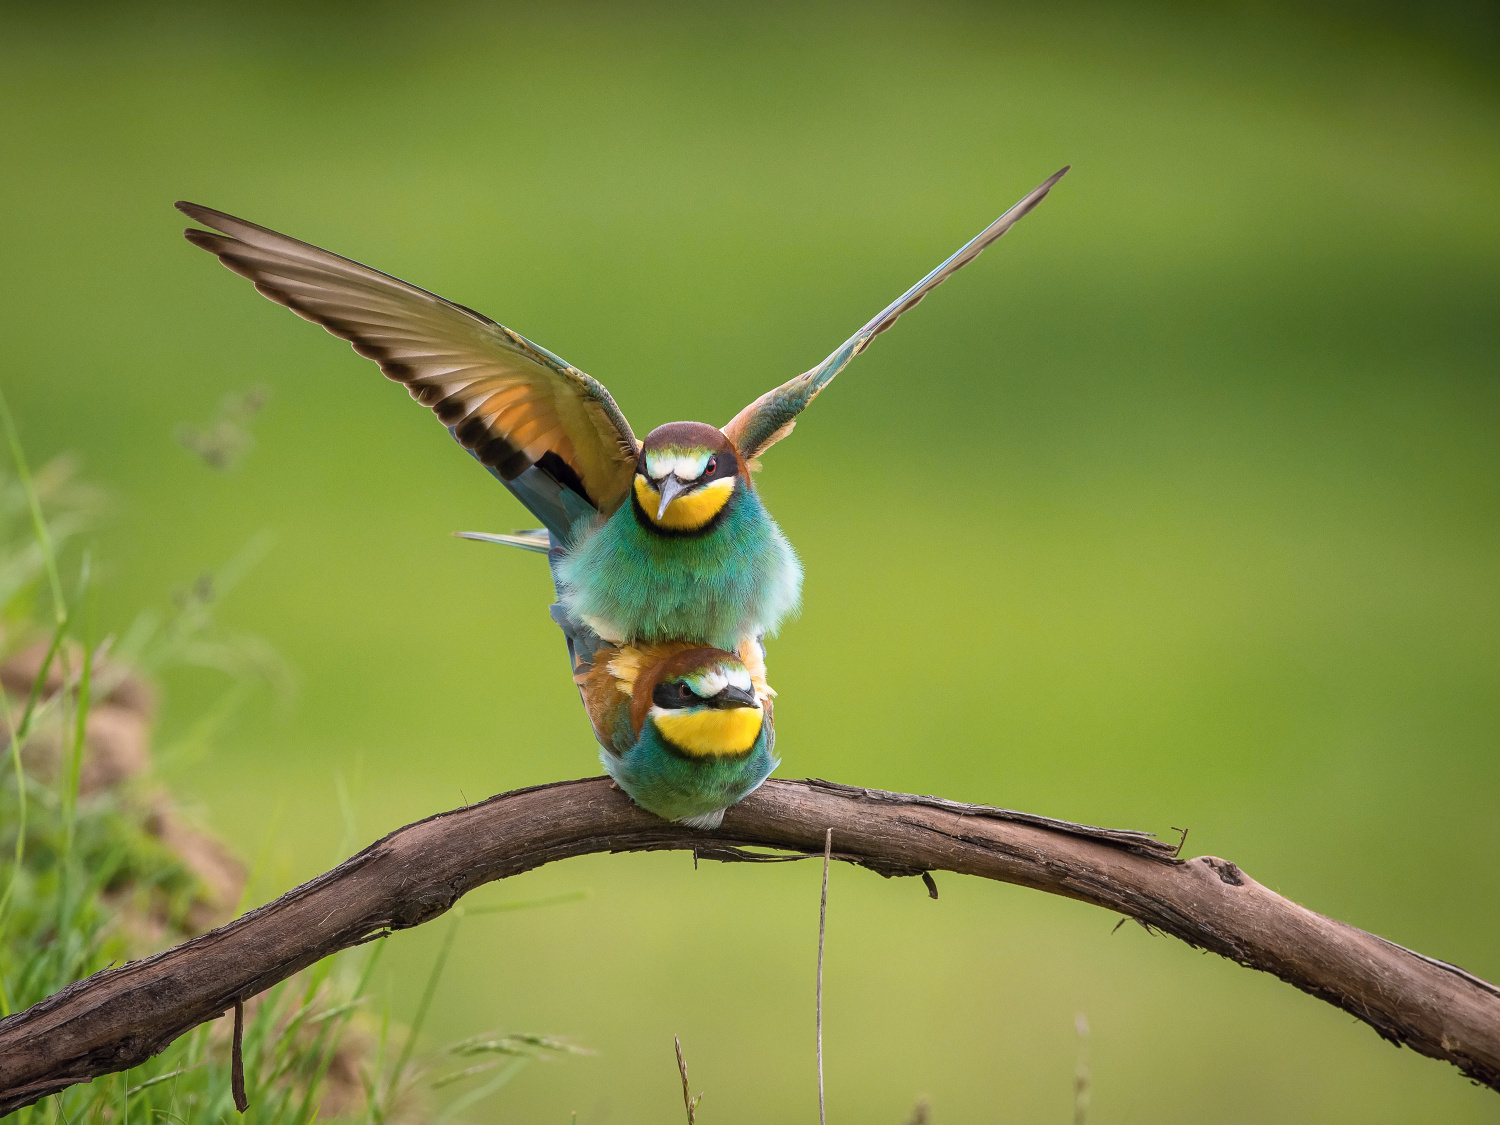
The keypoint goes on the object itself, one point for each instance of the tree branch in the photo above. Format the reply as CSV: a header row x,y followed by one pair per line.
x,y
120,1017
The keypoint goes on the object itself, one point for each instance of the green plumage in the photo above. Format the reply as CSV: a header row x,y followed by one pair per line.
x,y
630,580
695,791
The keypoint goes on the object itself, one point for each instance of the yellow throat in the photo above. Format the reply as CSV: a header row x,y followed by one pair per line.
x,y
688,512
710,732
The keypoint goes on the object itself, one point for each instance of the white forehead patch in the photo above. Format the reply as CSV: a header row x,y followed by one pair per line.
x,y
710,681
684,464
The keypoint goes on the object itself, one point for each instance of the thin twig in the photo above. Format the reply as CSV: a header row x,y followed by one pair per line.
x,y
1177,851
822,929
237,1059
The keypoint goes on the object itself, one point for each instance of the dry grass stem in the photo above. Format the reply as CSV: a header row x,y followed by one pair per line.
x,y
1081,1075
822,929
689,1102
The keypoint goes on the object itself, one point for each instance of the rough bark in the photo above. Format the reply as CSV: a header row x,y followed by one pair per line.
x,y
118,1018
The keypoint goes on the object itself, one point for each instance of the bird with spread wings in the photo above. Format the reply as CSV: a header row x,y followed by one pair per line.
x,y
661,540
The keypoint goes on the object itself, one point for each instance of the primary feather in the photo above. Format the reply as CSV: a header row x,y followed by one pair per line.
x,y
511,403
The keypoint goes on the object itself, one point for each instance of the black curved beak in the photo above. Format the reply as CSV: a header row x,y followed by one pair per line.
x,y
671,488
733,697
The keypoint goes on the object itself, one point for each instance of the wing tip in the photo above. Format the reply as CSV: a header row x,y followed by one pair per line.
x,y
210,218
1051,181
204,239
196,211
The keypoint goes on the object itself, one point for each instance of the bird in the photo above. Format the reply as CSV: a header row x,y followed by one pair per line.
x,y
685,730
654,541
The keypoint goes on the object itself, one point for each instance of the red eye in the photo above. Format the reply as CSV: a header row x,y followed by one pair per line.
x,y
684,691
712,465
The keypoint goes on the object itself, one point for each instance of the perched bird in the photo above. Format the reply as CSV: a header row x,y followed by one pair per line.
x,y
687,731
653,541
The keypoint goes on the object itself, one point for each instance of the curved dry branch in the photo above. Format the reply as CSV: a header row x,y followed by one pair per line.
x,y
120,1017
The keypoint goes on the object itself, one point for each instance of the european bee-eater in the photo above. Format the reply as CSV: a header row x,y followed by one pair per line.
x,y
661,540
685,730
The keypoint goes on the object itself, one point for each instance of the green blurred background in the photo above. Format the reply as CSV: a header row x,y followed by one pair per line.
x,y
1181,507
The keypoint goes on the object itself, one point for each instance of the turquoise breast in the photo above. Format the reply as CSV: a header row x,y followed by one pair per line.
x,y
632,582
695,790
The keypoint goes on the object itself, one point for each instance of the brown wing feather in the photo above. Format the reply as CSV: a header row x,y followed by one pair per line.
x,y
506,399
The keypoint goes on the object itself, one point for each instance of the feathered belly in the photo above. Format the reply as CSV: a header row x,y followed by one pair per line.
x,y
629,584
693,790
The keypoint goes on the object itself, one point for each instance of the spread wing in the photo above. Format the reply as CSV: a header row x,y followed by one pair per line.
x,y
771,417
511,403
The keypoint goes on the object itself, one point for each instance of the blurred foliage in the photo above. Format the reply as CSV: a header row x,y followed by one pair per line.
x,y
97,870
224,442
102,869
1180,507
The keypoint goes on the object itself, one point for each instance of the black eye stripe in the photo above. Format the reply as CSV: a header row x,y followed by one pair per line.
x,y
674,696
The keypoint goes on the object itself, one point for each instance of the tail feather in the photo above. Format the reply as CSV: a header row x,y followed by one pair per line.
x,y
538,541
560,510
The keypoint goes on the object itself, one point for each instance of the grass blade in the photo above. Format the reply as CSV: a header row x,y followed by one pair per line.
x,y
458,1105
422,1008
38,524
